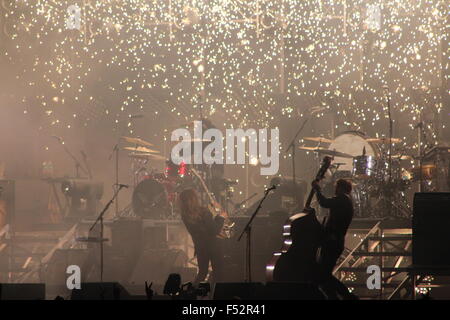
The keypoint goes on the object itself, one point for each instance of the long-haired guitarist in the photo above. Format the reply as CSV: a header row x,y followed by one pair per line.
x,y
204,230
336,225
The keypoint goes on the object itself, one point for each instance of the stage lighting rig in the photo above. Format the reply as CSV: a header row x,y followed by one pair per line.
x,y
83,196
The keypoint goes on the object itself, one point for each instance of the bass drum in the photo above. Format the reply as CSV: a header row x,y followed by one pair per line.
x,y
352,143
150,200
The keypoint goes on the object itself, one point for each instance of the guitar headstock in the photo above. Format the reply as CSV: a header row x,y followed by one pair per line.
x,y
326,162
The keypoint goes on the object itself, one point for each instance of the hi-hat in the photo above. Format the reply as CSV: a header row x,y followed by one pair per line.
x,y
318,139
332,153
384,140
138,141
147,156
141,149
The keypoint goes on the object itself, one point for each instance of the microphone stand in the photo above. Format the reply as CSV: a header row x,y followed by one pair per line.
x,y
390,149
78,165
248,232
115,152
88,168
100,219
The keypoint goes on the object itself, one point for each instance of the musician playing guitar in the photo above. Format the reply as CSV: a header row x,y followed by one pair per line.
x,y
204,230
335,227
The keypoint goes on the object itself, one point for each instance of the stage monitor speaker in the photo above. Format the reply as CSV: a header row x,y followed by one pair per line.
x,y
238,291
22,291
100,291
431,229
292,291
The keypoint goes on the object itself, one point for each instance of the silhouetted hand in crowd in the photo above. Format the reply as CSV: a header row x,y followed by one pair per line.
x,y
148,290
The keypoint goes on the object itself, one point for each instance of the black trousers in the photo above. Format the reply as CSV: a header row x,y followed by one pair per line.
x,y
213,253
331,250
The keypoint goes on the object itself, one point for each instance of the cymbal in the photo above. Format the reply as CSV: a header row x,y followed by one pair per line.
x,y
383,140
327,152
141,149
138,141
318,139
308,148
401,157
335,153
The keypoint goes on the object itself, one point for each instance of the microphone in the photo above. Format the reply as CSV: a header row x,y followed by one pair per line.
x,y
122,185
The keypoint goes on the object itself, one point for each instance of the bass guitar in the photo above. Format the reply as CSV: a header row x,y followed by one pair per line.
x,y
302,236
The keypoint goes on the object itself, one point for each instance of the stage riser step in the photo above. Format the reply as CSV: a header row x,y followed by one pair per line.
x,y
362,269
383,254
399,238
350,284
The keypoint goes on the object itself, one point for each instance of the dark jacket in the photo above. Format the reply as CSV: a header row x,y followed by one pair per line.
x,y
340,216
204,230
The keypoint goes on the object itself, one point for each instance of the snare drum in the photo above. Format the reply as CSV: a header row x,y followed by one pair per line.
x,y
364,166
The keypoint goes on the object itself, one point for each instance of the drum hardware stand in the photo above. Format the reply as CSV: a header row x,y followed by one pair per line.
x,y
421,137
115,151
293,146
100,219
390,145
248,232
78,165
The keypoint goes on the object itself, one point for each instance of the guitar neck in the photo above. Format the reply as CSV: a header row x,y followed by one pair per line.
x,y
205,188
309,199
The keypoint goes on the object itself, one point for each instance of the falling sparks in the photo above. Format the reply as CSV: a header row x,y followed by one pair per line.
x,y
251,62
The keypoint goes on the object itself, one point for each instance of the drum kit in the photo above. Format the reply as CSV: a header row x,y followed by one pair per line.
x,y
379,182
155,192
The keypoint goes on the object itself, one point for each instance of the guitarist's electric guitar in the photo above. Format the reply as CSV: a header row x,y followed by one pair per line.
x,y
216,208
301,240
